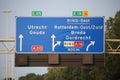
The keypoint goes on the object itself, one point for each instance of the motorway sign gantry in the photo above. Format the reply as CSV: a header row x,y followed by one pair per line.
x,y
59,35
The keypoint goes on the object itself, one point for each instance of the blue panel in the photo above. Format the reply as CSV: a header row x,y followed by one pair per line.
x,y
60,35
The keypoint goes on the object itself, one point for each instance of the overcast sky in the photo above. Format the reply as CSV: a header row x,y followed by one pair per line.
x,y
50,8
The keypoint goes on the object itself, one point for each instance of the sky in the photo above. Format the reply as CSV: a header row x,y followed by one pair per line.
x,y
49,8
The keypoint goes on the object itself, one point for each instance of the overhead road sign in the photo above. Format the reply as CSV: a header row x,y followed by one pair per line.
x,y
60,35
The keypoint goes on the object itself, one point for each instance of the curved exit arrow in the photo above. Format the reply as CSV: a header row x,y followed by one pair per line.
x,y
91,44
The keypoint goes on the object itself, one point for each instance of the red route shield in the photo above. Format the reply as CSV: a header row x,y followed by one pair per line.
x,y
37,48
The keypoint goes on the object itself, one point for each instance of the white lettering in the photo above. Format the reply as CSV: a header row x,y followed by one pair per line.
x,y
78,37
78,32
36,32
65,27
37,27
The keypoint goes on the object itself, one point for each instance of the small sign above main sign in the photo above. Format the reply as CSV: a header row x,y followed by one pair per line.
x,y
77,13
36,13
60,35
80,13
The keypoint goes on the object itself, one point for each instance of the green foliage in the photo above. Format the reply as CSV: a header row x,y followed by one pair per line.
x,y
112,69
31,76
68,73
113,27
63,73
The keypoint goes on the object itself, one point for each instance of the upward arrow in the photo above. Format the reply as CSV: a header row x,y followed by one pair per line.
x,y
53,40
21,37
53,36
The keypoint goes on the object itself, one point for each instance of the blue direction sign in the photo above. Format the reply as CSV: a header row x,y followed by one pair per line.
x,y
60,35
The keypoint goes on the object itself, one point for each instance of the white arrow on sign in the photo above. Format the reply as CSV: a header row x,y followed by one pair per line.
x,y
21,37
53,42
91,44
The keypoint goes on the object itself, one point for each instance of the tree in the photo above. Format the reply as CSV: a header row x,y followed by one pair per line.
x,y
113,61
55,73
113,27
109,24
31,76
22,78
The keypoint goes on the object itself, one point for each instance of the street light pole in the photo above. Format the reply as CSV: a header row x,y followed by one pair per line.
x,y
6,20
